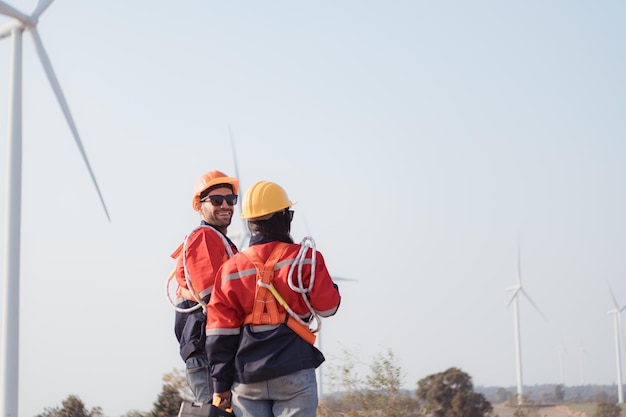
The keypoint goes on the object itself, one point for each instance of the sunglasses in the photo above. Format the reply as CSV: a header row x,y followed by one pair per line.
x,y
218,199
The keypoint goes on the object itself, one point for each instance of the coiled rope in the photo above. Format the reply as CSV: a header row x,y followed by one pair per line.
x,y
299,287
200,302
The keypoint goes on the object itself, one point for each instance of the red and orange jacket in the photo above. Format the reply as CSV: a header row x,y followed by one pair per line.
x,y
204,254
246,353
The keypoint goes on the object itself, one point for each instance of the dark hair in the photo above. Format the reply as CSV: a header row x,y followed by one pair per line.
x,y
206,192
276,227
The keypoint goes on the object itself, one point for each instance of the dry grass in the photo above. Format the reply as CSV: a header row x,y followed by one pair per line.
x,y
569,410
590,408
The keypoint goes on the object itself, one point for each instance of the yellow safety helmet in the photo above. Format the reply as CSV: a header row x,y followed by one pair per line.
x,y
207,181
264,198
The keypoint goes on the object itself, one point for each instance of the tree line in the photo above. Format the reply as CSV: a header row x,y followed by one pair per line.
x,y
449,393
553,393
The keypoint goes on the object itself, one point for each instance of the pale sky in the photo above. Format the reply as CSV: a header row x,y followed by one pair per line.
x,y
419,138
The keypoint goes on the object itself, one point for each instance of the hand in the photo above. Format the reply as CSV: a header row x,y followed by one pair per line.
x,y
222,399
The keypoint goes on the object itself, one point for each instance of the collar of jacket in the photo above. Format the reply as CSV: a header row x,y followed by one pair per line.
x,y
259,239
204,223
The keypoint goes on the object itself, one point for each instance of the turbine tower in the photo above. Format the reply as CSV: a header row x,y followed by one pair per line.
x,y
244,238
617,322
517,289
581,353
9,353
562,352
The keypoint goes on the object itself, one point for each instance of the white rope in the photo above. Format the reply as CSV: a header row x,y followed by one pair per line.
x,y
299,262
169,298
200,302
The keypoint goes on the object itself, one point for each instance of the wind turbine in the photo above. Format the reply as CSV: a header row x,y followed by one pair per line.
x,y
9,364
617,321
517,290
562,352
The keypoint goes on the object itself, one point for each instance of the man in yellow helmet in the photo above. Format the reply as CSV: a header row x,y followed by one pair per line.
x,y
199,258
258,341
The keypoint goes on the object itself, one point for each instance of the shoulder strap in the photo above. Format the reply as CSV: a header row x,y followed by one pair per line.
x,y
265,310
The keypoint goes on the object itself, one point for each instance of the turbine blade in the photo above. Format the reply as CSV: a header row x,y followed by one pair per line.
x,y
306,224
519,264
343,279
41,7
534,305
615,303
7,10
45,61
517,290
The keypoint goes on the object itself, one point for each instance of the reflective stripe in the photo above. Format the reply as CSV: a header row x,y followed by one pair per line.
x,y
223,332
239,274
206,292
285,262
263,327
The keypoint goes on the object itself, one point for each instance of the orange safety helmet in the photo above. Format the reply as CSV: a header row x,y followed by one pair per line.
x,y
207,181
264,198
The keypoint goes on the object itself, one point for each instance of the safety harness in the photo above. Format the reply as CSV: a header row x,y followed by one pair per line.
x,y
190,293
265,310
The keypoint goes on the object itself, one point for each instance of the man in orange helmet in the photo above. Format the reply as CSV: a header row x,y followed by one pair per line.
x,y
199,257
260,347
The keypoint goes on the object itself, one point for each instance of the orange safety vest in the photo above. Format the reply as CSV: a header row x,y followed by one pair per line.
x,y
190,293
265,309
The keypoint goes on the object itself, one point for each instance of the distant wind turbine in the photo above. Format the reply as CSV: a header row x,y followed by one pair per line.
x,y
517,290
581,353
11,295
562,352
617,321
